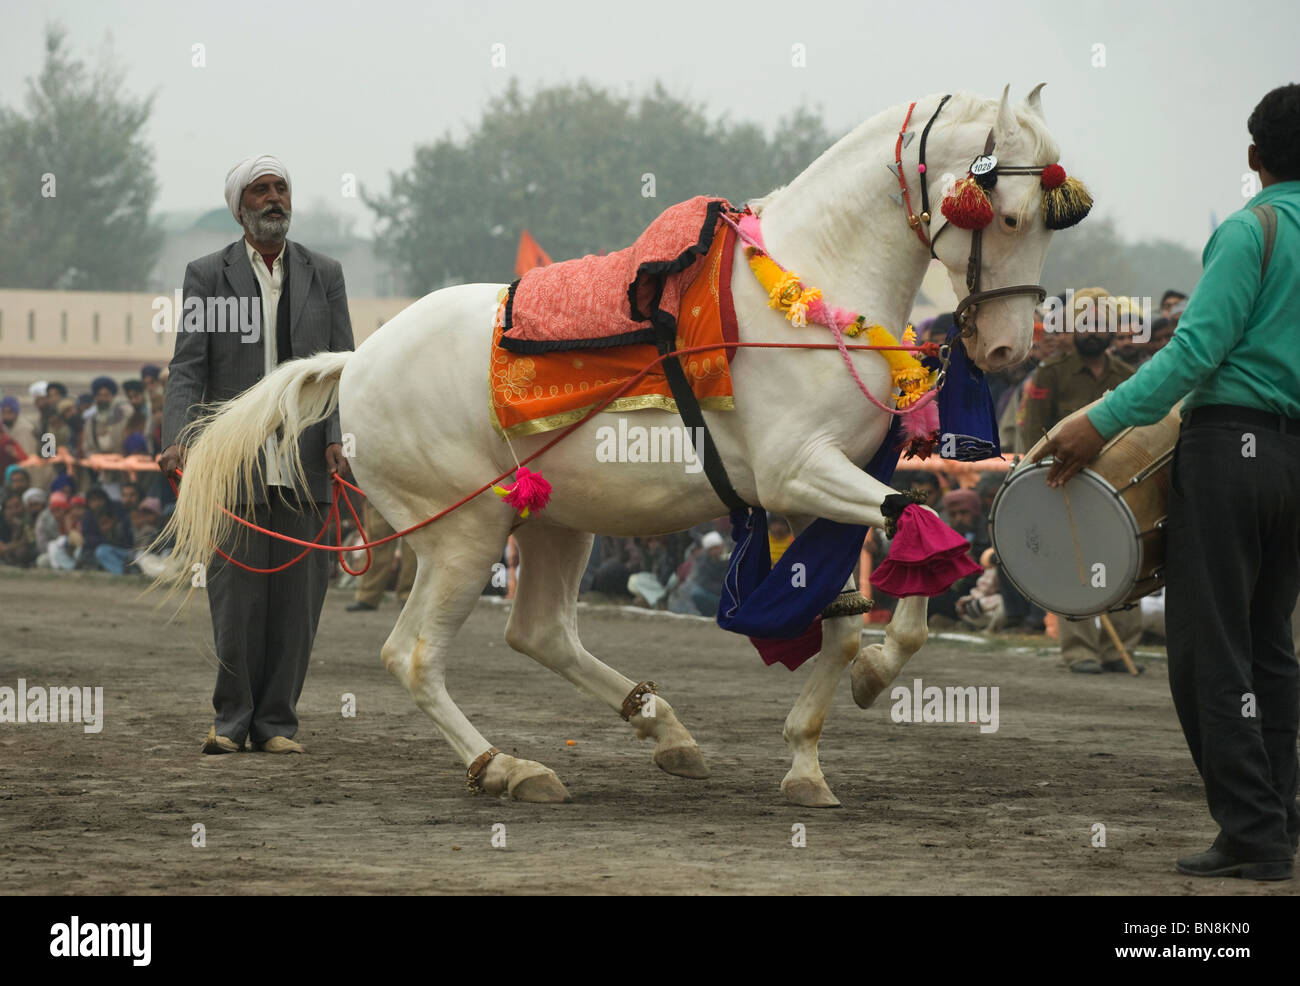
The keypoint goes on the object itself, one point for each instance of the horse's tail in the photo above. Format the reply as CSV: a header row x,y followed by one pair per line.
x,y
222,453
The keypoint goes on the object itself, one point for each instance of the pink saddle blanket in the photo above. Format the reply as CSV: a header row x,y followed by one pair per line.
x,y
625,297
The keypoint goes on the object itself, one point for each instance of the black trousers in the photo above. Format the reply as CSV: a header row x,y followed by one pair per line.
x,y
1232,576
265,625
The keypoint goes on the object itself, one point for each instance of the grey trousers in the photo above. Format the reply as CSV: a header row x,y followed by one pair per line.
x,y
1081,639
265,625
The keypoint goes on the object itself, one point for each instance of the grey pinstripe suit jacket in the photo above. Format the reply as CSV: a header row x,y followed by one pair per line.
x,y
209,366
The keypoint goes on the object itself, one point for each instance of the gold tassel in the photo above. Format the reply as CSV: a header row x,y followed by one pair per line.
x,y
1066,204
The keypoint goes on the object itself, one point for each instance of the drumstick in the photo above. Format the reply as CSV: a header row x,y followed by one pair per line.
x,y
1119,644
1074,534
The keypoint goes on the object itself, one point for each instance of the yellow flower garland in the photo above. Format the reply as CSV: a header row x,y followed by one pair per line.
x,y
786,293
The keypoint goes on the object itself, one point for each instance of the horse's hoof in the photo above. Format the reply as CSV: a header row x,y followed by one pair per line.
x,y
541,789
682,761
867,684
809,793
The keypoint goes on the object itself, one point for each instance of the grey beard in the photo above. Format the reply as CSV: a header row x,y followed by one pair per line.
x,y
267,229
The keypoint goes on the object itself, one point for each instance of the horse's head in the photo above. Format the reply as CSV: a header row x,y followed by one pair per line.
x,y
1008,252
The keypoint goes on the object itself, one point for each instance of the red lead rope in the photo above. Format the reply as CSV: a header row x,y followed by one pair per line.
x,y
925,349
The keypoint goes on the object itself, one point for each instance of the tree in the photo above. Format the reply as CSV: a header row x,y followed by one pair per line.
x,y
582,168
77,184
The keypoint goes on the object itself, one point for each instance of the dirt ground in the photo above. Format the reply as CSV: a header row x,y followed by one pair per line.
x,y
379,803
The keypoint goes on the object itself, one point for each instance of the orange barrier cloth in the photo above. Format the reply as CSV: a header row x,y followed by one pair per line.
x,y
98,461
967,472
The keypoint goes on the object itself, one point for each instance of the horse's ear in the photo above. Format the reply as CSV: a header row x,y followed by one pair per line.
x,y
1005,125
1034,103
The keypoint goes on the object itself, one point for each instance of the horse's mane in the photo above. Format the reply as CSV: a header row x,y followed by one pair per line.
x,y
967,107
963,107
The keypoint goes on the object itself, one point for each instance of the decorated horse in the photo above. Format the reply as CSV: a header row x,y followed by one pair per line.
x,y
832,260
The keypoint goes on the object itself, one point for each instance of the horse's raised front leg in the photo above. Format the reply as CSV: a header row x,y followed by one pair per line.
x,y
543,625
824,483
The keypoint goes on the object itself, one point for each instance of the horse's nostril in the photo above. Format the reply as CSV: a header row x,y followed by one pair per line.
x,y
999,356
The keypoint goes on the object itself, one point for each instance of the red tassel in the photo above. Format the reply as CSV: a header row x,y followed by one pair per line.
x,y
529,492
921,447
1053,175
967,206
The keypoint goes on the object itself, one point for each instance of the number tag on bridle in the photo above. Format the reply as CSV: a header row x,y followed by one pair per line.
x,y
984,169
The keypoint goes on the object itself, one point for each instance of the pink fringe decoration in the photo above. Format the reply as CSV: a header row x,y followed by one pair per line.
x,y
922,424
926,557
529,492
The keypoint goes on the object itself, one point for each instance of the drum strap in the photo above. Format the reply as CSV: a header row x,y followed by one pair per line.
x,y
1267,217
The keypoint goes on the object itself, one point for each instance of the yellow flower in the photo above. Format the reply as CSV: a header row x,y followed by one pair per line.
x,y
785,291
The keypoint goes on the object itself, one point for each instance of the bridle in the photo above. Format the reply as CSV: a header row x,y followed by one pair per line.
x,y
988,170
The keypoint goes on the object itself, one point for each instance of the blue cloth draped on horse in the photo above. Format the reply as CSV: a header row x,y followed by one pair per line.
x,y
779,608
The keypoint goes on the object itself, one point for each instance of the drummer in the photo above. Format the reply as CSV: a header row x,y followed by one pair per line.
x,y
1060,386
1232,570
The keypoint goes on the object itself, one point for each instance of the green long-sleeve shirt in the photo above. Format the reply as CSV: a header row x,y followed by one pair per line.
x,y
1238,342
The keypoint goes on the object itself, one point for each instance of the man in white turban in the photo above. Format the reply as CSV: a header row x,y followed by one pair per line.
x,y
241,176
292,302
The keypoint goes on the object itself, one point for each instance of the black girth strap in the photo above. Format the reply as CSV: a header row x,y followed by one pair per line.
x,y
689,409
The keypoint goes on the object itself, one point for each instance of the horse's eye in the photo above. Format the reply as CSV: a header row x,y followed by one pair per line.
x,y
1010,221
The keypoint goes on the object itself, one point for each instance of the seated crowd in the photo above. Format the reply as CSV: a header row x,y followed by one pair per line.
x,y
67,517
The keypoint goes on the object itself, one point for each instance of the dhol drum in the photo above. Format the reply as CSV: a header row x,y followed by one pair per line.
x,y
1096,544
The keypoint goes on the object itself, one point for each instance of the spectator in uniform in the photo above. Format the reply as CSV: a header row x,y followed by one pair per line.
x,y
1059,387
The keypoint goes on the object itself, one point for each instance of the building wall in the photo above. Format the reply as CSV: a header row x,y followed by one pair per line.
x,y
115,329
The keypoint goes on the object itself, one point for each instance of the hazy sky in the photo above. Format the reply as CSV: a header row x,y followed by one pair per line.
x,y
333,86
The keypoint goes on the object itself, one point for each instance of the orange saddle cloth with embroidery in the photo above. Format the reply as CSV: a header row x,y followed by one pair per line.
x,y
542,391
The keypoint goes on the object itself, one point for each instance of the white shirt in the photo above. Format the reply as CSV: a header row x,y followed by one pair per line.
x,y
277,470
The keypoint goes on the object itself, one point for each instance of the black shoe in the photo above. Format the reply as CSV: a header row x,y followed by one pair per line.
x,y
1089,665
1120,666
360,607
1216,863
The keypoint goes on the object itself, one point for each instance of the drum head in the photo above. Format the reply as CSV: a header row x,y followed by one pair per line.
x,y
1036,552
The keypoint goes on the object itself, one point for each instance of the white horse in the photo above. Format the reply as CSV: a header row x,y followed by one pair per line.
x,y
415,398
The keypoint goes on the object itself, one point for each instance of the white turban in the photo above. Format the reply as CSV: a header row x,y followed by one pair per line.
x,y
241,176
38,389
